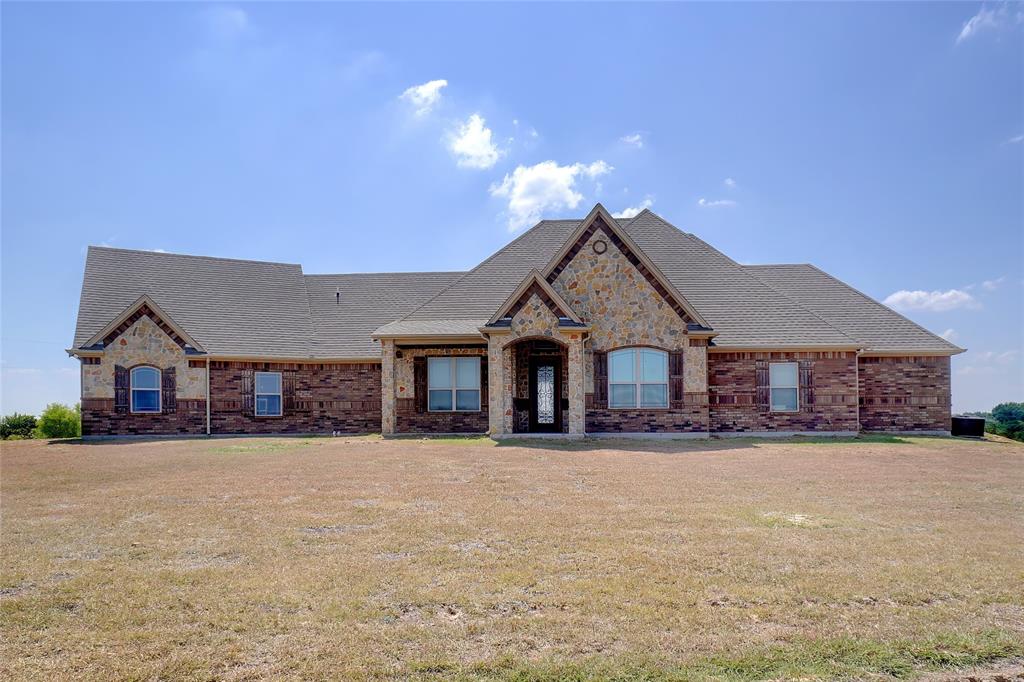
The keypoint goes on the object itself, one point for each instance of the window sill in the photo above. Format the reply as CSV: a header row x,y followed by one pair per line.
x,y
454,411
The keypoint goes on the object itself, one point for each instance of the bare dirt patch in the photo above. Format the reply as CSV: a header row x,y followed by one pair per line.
x,y
364,558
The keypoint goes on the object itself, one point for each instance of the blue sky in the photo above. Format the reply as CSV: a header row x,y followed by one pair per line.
x,y
882,142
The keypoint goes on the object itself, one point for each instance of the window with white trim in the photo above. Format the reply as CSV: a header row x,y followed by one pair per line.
x,y
783,379
268,394
637,377
453,384
145,385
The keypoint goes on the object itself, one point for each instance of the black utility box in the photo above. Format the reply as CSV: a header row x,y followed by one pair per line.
x,y
969,426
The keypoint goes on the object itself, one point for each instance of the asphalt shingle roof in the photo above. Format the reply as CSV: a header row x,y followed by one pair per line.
x,y
876,327
230,307
260,309
367,300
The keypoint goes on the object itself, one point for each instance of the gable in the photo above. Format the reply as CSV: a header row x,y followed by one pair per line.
x,y
535,285
599,222
617,301
144,308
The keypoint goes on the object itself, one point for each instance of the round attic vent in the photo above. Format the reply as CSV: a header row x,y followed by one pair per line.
x,y
600,246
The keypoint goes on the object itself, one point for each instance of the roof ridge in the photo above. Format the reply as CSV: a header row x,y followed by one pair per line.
x,y
742,270
471,270
366,274
865,296
190,255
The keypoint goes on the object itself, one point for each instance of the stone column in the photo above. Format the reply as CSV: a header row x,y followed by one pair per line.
x,y
499,396
387,386
576,415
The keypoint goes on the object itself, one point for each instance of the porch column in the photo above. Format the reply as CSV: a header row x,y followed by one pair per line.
x,y
499,386
387,386
576,419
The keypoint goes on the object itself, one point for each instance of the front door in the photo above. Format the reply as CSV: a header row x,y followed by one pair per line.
x,y
545,395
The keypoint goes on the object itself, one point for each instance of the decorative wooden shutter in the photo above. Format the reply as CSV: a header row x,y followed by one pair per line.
x,y
287,392
600,380
764,393
483,382
419,381
169,397
247,388
676,387
121,389
807,385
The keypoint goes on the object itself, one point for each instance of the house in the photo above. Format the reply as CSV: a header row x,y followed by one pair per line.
x,y
590,326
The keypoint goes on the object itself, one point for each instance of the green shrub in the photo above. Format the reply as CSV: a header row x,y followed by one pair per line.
x,y
60,421
17,426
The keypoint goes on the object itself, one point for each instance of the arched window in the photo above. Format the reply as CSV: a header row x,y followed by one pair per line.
x,y
637,377
145,385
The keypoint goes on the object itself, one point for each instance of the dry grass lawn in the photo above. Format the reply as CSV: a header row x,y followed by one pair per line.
x,y
365,558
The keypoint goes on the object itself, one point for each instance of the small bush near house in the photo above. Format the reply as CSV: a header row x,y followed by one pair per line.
x,y
60,421
17,426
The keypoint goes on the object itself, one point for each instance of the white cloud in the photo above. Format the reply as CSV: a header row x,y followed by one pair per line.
x,y
950,335
932,301
992,284
472,145
633,139
988,362
988,19
546,186
730,183
225,23
634,211
715,203
424,97
1016,139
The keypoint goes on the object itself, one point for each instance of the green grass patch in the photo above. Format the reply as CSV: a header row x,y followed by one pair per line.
x,y
825,659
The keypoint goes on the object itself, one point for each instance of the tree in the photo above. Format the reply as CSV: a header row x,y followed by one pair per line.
x,y
17,426
1009,420
60,421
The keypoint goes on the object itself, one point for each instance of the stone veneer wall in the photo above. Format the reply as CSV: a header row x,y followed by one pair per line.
x,y
617,301
733,393
143,343
343,397
623,309
409,420
905,393
533,320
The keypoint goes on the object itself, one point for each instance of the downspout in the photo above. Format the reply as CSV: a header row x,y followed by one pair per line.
x,y
207,395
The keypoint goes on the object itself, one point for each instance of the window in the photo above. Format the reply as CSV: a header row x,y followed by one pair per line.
x,y
453,384
145,383
782,377
637,374
268,394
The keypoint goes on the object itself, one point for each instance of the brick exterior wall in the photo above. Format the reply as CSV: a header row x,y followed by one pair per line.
x,y
690,417
100,419
905,393
408,420
732,393
328,398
